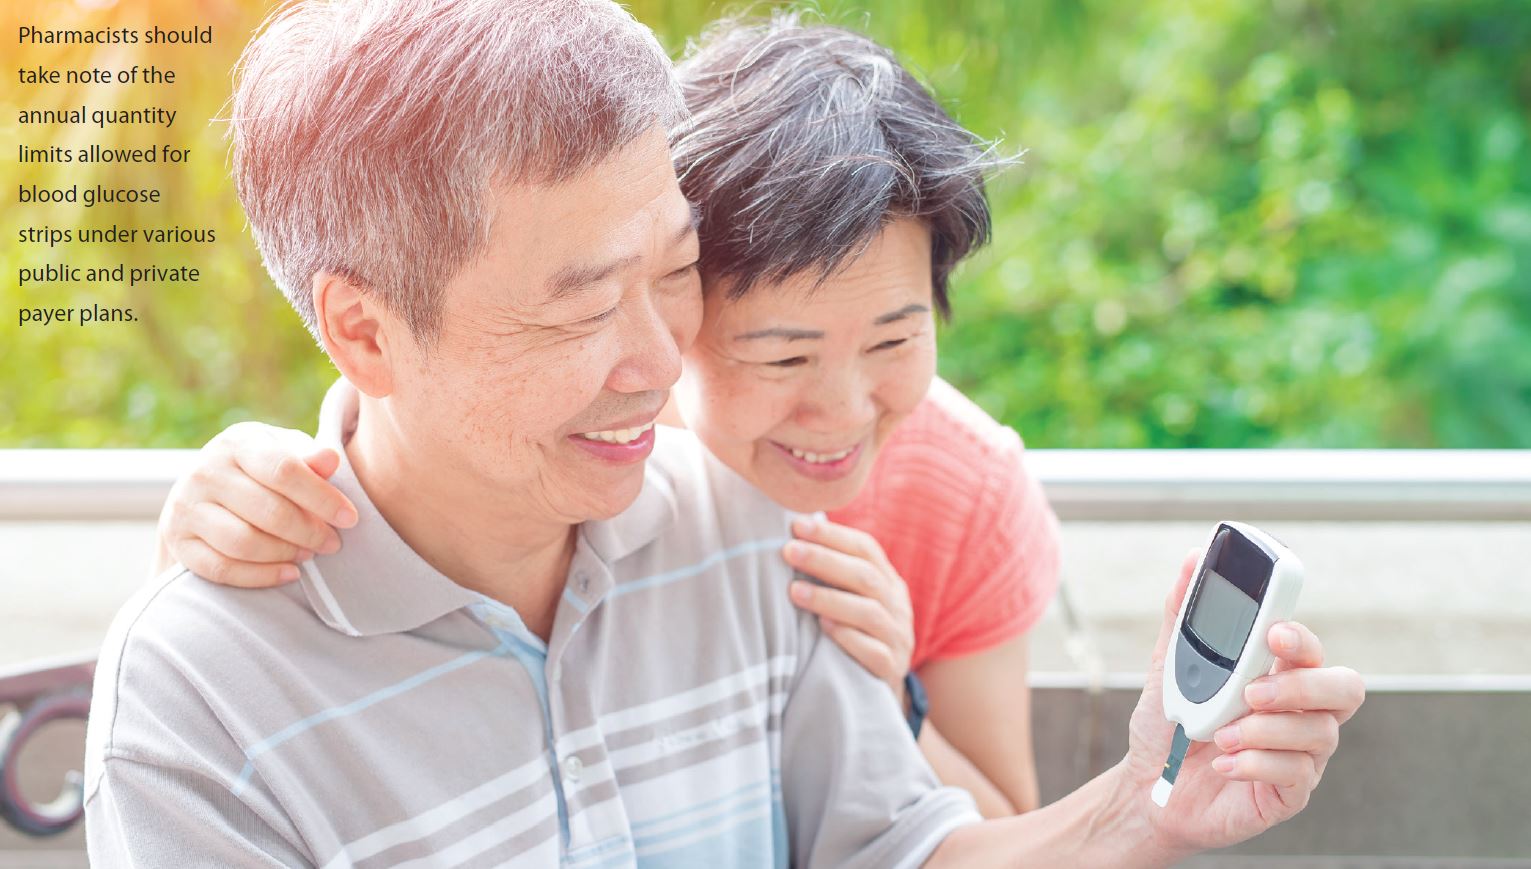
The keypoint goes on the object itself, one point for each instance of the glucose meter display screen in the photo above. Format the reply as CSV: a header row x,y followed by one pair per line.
x,y
1223,615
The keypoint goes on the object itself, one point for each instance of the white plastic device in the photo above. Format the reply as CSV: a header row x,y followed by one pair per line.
x,y
1245,582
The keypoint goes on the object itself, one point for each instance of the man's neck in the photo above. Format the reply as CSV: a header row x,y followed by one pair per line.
x,y
469,531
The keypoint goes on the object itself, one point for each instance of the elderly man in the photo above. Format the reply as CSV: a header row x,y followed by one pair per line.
x,y
550,637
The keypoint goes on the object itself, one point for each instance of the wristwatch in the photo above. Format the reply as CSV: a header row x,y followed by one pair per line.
x,y
919,704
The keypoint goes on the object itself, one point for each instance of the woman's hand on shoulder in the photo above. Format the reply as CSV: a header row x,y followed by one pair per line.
x,y
256,503
863,605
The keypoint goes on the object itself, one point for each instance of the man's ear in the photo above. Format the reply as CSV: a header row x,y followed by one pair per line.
x,y
353,329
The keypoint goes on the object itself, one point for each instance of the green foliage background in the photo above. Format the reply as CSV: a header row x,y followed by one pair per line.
x,y
1237,224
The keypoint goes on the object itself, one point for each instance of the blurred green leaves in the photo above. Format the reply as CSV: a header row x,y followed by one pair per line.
x,y
1291,223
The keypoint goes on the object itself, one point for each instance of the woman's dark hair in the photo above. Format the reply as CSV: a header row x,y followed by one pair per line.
x,y
804,141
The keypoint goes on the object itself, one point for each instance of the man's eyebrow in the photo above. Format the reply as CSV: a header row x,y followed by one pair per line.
x,y
900,314
571,279
781,332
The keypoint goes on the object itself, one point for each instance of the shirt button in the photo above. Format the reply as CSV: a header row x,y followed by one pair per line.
x,y
572,767
583,580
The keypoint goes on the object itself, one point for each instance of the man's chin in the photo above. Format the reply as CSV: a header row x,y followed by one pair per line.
x,y
610,496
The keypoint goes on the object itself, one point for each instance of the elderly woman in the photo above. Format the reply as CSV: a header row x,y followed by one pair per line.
x,y
836,198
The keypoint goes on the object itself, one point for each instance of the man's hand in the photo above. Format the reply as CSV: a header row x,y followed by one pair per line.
x,y
866,607
256,504
1260,769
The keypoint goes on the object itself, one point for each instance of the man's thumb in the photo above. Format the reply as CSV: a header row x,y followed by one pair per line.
x,y
1172,605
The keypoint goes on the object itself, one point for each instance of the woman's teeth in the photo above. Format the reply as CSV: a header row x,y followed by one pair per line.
x,y
820,458
617,436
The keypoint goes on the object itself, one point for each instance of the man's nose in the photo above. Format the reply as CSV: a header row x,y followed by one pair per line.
x,y
650,354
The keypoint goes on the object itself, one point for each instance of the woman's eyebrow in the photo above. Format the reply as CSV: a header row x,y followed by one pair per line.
x,y
900,314
781,332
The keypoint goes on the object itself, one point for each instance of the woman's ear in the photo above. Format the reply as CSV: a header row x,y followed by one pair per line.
x,y
353,329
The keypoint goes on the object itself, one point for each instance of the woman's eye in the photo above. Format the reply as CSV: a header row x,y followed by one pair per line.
x,y
889,345
788,363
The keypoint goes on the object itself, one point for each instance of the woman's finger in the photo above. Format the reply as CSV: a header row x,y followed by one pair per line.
x,y
271,512
1294,646
1294,770
237,539
854,610
849,572
843,538
1334,689
276,465
869,652
200,559
1317,733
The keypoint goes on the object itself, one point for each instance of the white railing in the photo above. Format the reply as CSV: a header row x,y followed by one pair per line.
x,y
1082,484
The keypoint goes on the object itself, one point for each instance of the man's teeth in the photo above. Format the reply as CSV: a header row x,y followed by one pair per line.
x,y
820,458
617,436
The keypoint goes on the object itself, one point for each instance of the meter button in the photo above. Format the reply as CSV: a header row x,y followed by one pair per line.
x,y
1193,676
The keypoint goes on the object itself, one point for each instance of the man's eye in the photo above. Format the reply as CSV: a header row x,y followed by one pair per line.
x,y
889,345
794,362
602,317
683,272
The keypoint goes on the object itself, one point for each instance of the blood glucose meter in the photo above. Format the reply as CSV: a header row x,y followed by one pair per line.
x,y
1245,582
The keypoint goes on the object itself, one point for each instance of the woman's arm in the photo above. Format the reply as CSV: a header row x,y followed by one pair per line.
x,y
980,723
256,503
864,606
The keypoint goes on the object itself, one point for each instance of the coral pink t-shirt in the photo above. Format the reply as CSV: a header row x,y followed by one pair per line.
x,y
963,523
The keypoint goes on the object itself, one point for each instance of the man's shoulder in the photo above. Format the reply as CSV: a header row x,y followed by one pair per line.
x,y
198,619
704,489
180,651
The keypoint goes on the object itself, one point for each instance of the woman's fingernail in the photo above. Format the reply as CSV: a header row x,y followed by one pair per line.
x,y
304,555
1228,738
1286,639
331,544
804,525
288,573
1223,763
794,551
345,517
800,591
1260,693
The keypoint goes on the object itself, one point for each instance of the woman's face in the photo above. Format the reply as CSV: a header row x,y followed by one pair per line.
x,y
796,387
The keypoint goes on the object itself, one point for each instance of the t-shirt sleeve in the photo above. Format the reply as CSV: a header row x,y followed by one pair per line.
x,y
164,784
856,790
1000,587
153,815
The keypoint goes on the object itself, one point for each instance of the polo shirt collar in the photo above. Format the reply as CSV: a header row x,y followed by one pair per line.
x,y
377,584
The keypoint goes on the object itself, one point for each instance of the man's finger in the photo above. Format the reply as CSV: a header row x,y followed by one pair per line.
x,y
1294,646
1317,733
1334,689
1293,770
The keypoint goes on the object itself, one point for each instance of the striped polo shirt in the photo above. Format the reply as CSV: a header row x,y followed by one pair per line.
x,y
375,713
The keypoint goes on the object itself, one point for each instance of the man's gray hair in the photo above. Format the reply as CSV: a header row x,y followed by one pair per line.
x,y
369,134
803,141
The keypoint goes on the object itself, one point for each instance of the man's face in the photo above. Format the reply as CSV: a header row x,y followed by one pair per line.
x,y
558,345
